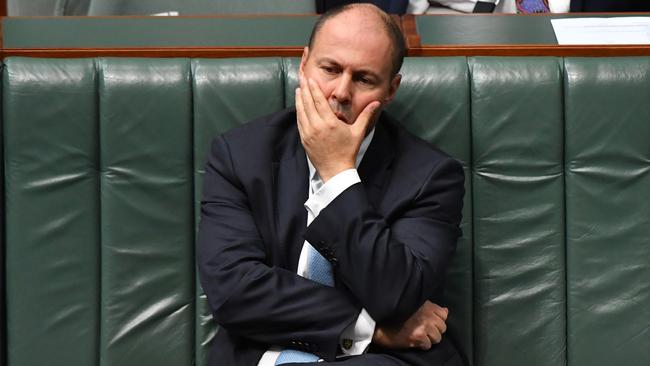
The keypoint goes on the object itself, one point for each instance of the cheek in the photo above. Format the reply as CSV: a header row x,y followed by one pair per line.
x,y
323,83
326,86
363,99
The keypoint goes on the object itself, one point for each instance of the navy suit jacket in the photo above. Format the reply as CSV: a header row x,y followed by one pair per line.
x,y
388,238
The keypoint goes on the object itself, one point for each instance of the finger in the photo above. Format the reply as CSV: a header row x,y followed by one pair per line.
x,y
440,325
303,125
419,337
440,311
365,117
308,102
433,331
434,338
425,343
321,104
435,325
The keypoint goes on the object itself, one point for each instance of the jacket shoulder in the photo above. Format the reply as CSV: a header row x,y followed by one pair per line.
x,y
264,139
268,127
418,151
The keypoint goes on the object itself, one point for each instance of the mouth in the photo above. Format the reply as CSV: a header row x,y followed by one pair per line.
x,y
341,117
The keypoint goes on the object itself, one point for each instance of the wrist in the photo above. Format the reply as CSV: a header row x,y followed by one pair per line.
x,y
378,336
330,172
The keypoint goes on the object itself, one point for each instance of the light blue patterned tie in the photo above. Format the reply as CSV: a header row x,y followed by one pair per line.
x,y
319,270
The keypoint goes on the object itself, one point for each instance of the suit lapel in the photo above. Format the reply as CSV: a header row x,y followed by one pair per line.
x,y
376,163
291,191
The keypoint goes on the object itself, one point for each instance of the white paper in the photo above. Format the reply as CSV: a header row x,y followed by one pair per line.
x,y
619,30
166,14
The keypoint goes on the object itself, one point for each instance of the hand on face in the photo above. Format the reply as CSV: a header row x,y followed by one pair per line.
x,y
330,143
422,330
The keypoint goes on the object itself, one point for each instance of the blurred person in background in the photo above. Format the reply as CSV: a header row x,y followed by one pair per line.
x,y
525,6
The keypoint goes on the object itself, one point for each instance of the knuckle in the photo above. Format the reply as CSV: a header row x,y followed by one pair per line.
x,y
417,336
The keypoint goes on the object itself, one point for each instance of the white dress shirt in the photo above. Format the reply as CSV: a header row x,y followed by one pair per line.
x,y
357,336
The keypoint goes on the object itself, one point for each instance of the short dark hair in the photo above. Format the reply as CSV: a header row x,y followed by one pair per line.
x,y
391,27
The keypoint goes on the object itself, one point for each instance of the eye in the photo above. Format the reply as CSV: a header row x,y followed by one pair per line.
x,y
329,69
365,80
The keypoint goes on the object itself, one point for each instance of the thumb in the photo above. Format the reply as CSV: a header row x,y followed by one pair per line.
x,y
365,117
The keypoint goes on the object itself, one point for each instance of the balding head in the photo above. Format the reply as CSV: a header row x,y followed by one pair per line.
x,y
374,19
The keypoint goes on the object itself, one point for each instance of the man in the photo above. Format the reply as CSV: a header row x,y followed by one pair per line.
x,y
283,195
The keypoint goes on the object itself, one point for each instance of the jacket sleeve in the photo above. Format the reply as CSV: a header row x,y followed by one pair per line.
x,y
249,297
392,268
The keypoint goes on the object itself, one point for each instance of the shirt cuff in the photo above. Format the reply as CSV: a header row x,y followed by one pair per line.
x,y
330,190
269,357
356,338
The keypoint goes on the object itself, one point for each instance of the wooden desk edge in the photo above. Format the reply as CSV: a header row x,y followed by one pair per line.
x,y
532,50
296,51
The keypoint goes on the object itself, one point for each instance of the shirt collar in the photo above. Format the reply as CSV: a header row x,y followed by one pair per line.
x,y
362,151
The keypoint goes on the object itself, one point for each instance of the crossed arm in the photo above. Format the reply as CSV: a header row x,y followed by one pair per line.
x,y
248,296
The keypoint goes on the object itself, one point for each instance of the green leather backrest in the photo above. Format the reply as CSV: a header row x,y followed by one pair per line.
x,y
607,160
103,160
518,214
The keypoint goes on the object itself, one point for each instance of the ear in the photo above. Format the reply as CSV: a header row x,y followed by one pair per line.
x,y
303,59
392,88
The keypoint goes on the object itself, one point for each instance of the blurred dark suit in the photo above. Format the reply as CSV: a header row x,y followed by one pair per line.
x,y
389,6
609,5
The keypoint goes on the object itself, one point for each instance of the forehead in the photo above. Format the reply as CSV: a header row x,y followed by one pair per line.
x,y
355,38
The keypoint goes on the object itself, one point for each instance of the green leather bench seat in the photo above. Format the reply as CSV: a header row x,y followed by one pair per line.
x,y
103,160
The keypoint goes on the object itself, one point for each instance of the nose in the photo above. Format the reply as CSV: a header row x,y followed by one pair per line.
x,y
342,90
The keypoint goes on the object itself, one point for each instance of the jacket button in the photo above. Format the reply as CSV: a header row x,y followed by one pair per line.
x,y
347,344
